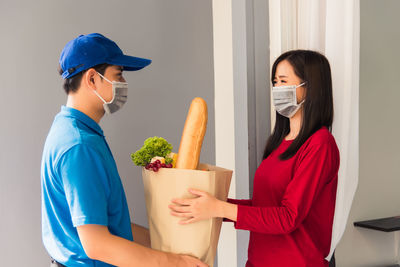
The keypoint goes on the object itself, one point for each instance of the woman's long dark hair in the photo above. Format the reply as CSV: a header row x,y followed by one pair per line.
x,y
313,68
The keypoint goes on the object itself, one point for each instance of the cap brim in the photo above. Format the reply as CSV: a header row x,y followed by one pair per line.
x,y
129,63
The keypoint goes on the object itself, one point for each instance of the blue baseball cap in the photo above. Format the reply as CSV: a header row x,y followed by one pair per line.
x,y
87,51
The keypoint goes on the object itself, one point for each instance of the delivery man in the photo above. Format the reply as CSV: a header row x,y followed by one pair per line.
x,y
85,217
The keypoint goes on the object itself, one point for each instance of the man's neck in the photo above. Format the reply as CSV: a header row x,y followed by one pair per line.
x,y
75,102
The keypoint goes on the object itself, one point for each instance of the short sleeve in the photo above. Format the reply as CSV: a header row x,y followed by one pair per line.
x,y
85,184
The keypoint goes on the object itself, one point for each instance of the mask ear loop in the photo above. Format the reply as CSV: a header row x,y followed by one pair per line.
x,y
102,99
95,91
303,83
113,89
301,102
104,77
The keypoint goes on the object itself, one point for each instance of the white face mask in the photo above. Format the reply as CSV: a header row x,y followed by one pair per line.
x,y
120,96
285,100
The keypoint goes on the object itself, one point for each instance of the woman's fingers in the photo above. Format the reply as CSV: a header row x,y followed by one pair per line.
x,y
193,209
182,201
197,192
182,209
180,214
187,221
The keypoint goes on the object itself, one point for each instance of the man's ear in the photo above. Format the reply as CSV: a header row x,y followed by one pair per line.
x,y
91,78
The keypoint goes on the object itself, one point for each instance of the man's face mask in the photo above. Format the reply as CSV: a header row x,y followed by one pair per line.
x,y
120,96
285,100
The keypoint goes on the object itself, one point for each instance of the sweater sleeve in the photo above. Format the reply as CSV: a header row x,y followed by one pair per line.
x,y
317,165
244,202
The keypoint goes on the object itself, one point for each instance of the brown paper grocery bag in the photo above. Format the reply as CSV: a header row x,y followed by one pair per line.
x,y
198,239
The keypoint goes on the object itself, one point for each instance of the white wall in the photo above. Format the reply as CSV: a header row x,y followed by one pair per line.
x,y
378,191
176,34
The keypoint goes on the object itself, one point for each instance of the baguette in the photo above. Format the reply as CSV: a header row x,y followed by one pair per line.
x,y
193,135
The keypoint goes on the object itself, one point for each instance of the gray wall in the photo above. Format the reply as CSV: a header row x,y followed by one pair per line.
x,y
176,34
378,191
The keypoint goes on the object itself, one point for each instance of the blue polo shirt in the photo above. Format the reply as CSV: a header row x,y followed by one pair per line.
x,y
80,185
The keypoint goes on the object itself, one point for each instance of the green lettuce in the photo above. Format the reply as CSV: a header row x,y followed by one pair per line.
x,y
152,147
168,160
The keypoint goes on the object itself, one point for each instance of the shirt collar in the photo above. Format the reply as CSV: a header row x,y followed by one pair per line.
x,y
71,112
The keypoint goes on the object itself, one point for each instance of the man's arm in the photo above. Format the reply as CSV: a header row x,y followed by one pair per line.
x,y
141,235
100,244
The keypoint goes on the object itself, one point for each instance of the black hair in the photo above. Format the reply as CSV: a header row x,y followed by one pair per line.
x,y
72,84
313,68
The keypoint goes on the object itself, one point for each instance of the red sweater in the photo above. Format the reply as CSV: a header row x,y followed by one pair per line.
x,y
290,216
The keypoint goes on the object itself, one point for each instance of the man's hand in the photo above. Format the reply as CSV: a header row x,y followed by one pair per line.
x,y
141,236
187,261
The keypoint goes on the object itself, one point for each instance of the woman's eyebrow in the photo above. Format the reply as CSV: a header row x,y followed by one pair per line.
x,y
280,76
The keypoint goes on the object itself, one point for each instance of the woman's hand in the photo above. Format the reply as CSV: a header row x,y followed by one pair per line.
x,y
192,210
203,207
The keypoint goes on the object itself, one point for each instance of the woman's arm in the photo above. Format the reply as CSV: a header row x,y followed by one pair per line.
x,y
320,164
206,207
318,167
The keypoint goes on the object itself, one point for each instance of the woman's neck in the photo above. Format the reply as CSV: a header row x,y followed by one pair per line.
x,y
295,125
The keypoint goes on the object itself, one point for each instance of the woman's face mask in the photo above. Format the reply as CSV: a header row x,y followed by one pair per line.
x,y
285,100
120,96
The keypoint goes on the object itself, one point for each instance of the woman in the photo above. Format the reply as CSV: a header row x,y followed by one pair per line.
x,y
290,216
